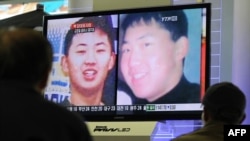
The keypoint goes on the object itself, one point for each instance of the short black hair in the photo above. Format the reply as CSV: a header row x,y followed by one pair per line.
x,y
25,54
175,21
225,102
103,23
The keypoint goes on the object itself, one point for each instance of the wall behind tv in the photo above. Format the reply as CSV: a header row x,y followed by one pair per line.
x,y
230,59
230,44
241,49
124,4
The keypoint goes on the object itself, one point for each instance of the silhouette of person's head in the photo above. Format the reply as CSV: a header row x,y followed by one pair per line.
x,y
25,55
224,102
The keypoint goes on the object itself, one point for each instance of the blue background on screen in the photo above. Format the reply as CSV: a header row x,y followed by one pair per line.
x,y
192,61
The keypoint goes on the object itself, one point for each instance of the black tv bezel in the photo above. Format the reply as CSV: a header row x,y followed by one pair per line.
x,y
173,115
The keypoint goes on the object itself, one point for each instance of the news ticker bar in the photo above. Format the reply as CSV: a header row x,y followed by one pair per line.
x,y
174,107
236,132
145,108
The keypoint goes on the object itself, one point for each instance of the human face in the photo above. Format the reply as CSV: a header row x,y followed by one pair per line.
x,y
150,61
89,59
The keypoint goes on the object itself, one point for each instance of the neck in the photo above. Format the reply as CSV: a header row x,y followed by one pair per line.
x,y
86,97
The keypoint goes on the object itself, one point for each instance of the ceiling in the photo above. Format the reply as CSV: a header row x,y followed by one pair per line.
x,y
23,1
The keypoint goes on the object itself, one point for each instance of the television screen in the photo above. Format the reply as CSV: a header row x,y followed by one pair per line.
x,y
132,64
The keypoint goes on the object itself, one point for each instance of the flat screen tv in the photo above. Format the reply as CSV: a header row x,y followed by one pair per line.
x,y
131,64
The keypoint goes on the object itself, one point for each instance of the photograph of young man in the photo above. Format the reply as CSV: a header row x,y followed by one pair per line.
x,y
88,58
152,56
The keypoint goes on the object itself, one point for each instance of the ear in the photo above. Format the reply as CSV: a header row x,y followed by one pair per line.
x,y
206,115
243,118
64,65
43,83
182,46
112,61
